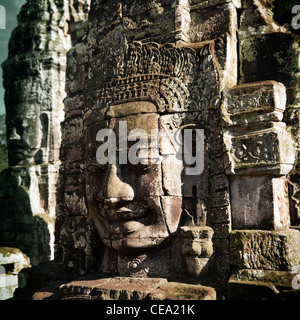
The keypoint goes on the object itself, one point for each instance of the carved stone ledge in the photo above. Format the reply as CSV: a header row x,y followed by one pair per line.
x,y
269,250
122,288
254,102
269,151
254,284
265,264
256,141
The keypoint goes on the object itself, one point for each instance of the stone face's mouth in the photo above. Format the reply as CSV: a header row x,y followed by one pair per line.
x,y
126,228
128,221
17,146
122,221
122,211
125,214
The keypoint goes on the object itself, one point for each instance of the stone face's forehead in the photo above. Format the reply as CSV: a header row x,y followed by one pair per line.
x,y
134,118
126,120
146,122
127,132
131,108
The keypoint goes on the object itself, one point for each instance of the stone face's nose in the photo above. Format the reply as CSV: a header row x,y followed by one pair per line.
x,y
114,189
14,135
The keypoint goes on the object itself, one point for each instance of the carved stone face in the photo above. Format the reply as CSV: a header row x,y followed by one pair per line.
x,y
24,136
134,206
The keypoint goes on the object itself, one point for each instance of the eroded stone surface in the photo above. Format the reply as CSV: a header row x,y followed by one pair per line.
x,y
12,261
134,289
259,202
197,248
34,80
268,250
132,74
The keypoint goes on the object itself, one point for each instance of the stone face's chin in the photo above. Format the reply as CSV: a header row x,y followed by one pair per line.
x,y
133,243
132,235
22,156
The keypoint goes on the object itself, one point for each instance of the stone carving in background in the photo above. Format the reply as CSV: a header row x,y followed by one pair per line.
x,y
34,81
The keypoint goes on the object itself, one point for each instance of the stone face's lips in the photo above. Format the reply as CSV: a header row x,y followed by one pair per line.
x,y
121,211
125,214
128,222
16,146
121,222
125,228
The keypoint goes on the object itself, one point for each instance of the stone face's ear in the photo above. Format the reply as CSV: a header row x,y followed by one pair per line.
x,y
197,248
2,270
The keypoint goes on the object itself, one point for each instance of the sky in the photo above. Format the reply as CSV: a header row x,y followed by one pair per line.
x,y
12,8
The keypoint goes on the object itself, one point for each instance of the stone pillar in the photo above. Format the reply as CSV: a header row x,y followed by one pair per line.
x,y
269,51
260,153
34,81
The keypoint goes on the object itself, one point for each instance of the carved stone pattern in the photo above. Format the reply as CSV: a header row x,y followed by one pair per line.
x,y
145,265
167,92
220,50
159,59
164,74
258,149
248,103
